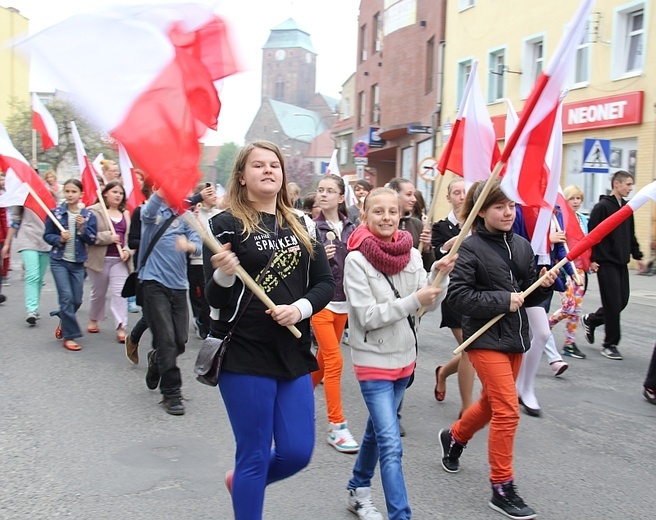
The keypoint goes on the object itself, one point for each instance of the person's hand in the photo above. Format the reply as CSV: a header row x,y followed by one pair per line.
x,y
641,266
425,237
116,239
125,255
550,279
79,220
206,193
449,244
5,250
285,315
331,249
557,237
427,295
516,301
445,264
65,236
185,245
225,260
594,267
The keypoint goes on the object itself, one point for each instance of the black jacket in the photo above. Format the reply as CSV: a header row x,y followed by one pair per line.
x,y
620,244
481,283
442,231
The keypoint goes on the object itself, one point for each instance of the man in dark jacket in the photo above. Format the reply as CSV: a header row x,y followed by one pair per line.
x,y
609,259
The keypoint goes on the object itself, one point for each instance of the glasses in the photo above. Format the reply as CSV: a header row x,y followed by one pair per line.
x,y
329,191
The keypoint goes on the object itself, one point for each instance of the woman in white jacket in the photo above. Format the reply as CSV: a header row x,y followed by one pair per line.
x,y
385,285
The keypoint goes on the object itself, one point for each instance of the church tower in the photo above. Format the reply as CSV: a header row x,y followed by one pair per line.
x,y
289,65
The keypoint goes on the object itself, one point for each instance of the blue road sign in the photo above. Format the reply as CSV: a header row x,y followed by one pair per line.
x,y
596,155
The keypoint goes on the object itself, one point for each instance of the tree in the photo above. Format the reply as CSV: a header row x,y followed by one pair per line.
x,y
225,161
19,127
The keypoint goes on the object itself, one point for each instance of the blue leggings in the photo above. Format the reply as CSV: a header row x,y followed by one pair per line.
x,y
262,409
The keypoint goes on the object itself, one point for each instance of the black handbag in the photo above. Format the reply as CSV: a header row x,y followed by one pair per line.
x,y
132,286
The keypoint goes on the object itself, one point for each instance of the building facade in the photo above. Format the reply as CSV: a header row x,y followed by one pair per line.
x,y
14,68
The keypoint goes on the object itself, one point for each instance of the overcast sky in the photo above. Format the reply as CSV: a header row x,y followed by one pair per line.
x,y
332,26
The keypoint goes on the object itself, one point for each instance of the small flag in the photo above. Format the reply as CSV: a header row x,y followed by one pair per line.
x,y
44,123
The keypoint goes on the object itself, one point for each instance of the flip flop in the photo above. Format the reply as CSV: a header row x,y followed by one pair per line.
x,y
58,331
69,344
93,330
439,396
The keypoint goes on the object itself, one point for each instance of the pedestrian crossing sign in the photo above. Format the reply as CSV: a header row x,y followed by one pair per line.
x,y
595,155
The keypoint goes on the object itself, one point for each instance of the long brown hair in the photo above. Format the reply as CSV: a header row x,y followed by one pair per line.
x,y
243,209
113,184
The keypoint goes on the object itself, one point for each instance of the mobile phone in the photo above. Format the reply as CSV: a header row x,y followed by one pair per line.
x,y
208,184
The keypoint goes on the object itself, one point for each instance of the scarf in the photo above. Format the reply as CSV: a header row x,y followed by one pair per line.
x,y
387,257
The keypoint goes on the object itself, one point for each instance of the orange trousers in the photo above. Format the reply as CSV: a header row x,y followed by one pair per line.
x,y
497,405
328,329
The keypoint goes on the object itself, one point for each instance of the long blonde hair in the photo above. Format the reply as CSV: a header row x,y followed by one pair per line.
x,y
243,209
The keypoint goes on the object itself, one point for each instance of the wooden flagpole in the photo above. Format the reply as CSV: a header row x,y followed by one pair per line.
x,y
216,247
105,211
43,206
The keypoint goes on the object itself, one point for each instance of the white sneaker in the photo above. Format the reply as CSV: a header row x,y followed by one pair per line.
x,y
340,438
359,502
558,367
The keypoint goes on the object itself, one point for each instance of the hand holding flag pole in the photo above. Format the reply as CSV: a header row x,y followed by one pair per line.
x,y
216,247
105,211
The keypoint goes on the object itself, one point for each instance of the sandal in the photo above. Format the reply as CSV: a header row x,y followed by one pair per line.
x,y
93,330
58,331
439,396
120,337
69,344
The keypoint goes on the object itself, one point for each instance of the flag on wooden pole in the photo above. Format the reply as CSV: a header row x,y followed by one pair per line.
x,y
44,123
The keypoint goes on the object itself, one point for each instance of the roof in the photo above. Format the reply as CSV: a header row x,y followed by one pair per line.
x,y
297,123
288,35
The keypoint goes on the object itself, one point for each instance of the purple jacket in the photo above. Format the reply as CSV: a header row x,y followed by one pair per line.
x,y
337,261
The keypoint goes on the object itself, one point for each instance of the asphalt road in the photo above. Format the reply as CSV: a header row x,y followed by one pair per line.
x,y
81,437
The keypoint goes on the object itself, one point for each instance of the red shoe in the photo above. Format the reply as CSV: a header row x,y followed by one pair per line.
x,y
228,480
438,395
69,344
58,331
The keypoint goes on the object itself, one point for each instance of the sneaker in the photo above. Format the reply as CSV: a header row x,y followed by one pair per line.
x,y
3,298
173,405
451,451
345,337
132,307
359,502
340,438
401,429
152,374
131,349
611,352
573,351
31,318
650,395
506,501
558,367
587,328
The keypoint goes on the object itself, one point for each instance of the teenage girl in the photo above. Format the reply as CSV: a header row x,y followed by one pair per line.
x,y
333,230
67,257
494,267
385,285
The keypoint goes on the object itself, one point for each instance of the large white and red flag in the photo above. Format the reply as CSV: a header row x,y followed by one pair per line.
x,y
646,194
44,123
90,184
133,194
472,149
530,140
161,98
333,168
19,173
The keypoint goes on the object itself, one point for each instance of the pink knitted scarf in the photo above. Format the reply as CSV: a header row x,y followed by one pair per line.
x,y
387,257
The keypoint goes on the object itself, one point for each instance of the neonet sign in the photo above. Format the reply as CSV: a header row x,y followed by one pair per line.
x,y
605,112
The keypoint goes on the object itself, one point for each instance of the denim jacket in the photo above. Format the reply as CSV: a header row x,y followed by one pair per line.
x,y
87,236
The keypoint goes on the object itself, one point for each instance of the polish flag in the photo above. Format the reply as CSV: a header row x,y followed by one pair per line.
x,y
472,149
648,193
97,167
133,194
19,172
44,123
530,140
88,177
161,97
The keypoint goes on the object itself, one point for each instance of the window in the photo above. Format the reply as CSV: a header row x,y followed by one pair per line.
x,y
346,108
465,4
378,33
582,63
629,41
375,104
496,75
362,109
464,70
363,43
533,63
280,89
430,64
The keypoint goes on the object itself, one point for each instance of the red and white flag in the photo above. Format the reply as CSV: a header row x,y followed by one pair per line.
x,y
44,123
97,167
133,194
161,97
573,231
646,194
472,150
349,195
529,141
90,184
18,173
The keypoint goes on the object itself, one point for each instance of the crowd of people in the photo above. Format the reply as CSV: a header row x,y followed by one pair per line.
x,y
368,267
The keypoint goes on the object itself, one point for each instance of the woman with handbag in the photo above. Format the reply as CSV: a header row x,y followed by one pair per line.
x,y
265,378
109,265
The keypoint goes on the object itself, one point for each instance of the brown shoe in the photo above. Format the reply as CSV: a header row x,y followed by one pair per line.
x,y
131,350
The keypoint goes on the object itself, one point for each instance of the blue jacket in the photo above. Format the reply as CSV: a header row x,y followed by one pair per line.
x,y
87,236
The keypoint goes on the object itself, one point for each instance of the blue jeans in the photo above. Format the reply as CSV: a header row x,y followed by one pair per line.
x,y
261,410
69,279
382,441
